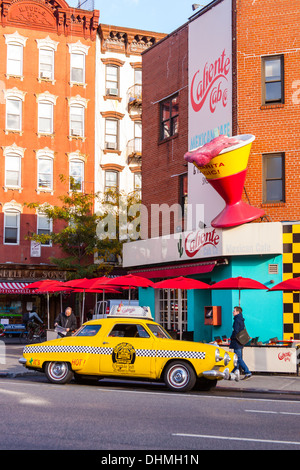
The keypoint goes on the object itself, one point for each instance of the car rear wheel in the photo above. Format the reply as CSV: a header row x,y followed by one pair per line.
x,y
179,376
58,372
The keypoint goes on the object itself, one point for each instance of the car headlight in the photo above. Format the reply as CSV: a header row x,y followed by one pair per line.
x,y
218,356
226,359
235,360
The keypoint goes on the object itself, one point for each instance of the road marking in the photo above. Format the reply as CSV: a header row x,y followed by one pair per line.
x,y
246,439
273,412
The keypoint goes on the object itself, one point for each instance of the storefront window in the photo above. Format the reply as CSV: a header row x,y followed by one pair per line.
x,y
173,310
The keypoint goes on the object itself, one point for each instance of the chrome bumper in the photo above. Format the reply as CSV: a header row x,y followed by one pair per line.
x,y
22,361
217,374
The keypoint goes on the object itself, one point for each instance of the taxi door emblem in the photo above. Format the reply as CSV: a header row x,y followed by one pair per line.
x,y
123,358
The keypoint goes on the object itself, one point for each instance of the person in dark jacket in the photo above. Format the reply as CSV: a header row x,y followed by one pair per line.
x,y
67,320
238,325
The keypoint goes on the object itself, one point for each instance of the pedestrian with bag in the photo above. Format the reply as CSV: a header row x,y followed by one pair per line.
x,y
239,338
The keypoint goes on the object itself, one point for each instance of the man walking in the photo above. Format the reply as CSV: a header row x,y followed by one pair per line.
x,y
238,325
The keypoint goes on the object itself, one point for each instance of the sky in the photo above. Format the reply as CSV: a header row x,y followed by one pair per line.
x,y
160,16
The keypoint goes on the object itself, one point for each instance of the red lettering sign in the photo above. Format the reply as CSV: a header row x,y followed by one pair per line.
x,y
210,84
200,239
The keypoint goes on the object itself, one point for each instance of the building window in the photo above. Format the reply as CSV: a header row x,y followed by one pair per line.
x,y
273,79
44,227
78,53
45,173
15,47
169,117
45,118
183,196
76,175
111,180
112,80
11,227
15,60
76,121
111,134
77,68
273,178
13,114
46,59
137,181
12,171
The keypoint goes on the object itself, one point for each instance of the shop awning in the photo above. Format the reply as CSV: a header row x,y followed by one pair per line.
x,y
14,288
176,270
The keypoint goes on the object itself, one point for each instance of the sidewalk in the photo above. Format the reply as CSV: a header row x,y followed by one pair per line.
x,y
267,383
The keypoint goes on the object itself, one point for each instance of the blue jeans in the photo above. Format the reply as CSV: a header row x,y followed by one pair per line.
x,y
241,363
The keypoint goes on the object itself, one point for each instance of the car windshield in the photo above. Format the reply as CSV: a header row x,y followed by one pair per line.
x,y
158,331
88,330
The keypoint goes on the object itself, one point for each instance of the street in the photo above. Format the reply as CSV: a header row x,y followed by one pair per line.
x,y
116,416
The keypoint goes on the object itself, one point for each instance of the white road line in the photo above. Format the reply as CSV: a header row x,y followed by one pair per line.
x,y
273,412
246,439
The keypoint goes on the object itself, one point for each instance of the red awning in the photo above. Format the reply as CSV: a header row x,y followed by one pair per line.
x,y
175,270
14,288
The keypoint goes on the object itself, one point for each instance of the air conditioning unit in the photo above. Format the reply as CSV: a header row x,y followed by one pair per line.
x,y
46,75
77,132
112,91
111,145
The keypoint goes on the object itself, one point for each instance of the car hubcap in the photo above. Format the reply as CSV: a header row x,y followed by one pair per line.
x,y
178,376
58,370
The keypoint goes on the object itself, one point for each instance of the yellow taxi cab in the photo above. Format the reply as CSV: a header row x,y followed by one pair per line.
x,y
134,347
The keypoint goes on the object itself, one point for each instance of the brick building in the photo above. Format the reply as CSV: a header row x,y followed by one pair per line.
x,y
47,76
259,96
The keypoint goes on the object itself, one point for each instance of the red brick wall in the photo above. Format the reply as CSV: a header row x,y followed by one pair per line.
x,y
269,27
165,72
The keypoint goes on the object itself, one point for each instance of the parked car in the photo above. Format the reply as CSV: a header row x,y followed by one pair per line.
x,y
137,348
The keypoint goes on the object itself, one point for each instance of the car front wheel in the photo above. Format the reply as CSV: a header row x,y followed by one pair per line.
x,y
179,376
58,372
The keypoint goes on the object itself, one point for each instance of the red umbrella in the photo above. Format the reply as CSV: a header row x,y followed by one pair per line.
x,y
130,281
288,285
38,284
181,283
240,283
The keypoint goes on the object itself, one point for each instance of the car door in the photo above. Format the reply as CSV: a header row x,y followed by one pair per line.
x,y
128,351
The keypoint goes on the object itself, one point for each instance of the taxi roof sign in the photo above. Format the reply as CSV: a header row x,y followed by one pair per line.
x,y
130,311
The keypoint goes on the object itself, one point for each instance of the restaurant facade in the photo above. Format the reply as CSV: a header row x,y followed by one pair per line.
x,y
222,73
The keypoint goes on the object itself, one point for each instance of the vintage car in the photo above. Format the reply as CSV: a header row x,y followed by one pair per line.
x,y
135,348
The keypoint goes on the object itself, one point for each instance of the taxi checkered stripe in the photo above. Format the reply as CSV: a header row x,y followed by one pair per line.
x,y
170,353
67,349
108,351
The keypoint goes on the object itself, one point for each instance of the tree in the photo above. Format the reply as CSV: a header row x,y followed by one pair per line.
x,y
86,233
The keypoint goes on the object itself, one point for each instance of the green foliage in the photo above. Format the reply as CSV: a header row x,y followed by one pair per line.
x,y
78,233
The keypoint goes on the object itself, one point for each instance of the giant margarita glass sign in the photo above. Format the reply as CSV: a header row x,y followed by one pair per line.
x,y
210,101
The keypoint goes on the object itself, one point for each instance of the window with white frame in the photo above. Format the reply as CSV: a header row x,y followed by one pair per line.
x,y
137,181
45,173
78,53
47,48
111,134
77,68
12,171
15,47
76,171
44,227
111,179
11,227
46,64
76,120
14,102
112,80
13,114
45,117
